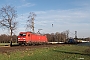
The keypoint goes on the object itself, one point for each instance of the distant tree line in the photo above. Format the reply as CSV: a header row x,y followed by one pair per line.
x,y
85,39
53,37
62,37
57,37
6,38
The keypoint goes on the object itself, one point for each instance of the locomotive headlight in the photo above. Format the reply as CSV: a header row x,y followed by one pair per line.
x,y
24,38
18,38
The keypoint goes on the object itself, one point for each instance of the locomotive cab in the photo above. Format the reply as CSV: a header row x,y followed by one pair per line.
x,y
22,38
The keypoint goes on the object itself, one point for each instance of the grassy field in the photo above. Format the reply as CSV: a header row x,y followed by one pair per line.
x,y
66,52
6,44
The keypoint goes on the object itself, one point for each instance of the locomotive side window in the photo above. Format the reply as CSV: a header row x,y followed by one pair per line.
x,y
28,34
22,34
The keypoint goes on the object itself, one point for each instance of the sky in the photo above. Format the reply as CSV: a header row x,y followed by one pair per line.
x,y
72,15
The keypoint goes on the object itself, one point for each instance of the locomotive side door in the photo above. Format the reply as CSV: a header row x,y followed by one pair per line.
x,y
29,39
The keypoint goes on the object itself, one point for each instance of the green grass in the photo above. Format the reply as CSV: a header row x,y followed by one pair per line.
x,y
67,52
3,44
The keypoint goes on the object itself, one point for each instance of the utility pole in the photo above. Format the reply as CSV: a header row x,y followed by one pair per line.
x,y
67,33
32,24
75,34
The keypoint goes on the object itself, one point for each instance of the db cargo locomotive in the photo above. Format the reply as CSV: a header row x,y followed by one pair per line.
x,y
29,38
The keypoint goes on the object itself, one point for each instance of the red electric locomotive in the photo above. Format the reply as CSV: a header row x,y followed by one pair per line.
x,y
31,38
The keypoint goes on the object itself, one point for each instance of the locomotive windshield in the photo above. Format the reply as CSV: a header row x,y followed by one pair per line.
x,y
22,34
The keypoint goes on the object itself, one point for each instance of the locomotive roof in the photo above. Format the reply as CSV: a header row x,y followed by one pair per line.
x,y
30,32
25,32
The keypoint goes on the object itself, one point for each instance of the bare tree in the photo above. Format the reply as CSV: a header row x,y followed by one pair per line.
x,y
30,21
63,36
7,19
